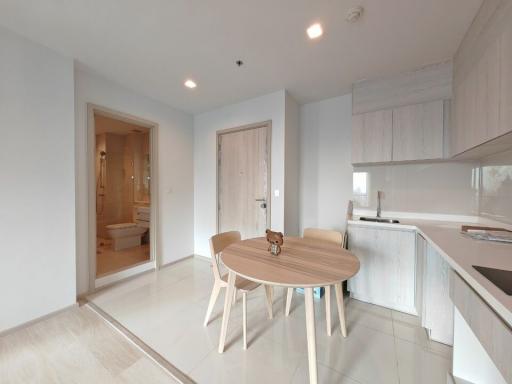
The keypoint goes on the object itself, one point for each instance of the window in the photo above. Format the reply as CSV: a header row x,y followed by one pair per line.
x,y
360,184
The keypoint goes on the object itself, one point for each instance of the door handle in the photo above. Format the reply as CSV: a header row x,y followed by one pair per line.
x,y
260,199
263,205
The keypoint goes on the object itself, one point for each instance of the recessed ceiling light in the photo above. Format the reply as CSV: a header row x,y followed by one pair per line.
x,y
315,31
190,84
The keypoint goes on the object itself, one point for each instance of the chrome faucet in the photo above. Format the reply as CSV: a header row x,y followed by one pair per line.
x,y
379,196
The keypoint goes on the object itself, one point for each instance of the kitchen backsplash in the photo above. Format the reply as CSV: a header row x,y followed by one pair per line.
x,y
496,187
483,188
448,187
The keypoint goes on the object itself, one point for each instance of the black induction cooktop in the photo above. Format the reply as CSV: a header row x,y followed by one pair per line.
x,y
499,277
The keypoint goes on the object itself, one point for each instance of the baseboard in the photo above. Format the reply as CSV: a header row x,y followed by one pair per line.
x,y
408,310
202,257
170,263
37,320
456,380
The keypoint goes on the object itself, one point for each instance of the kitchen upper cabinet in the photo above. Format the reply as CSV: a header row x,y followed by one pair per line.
x,y
418,131
488,94
506,80
401,118
437,309
477,103
459,139
372,137
483,85
387,275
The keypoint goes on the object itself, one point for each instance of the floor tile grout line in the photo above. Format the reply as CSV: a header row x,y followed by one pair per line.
x,y
426,348
189,373
296,370
338,371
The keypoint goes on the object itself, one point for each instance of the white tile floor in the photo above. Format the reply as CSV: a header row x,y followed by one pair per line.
x,y
166,310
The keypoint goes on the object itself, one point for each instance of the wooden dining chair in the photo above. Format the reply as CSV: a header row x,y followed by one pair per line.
x,y
217,244
338,238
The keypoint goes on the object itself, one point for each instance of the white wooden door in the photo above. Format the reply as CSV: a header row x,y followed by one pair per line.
x,y
243,181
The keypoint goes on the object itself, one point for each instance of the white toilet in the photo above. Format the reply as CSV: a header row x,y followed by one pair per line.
x,y
128,235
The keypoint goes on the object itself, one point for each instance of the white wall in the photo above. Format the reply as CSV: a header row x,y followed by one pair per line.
x,y
37,226
268,107
175,167
325,158
292,167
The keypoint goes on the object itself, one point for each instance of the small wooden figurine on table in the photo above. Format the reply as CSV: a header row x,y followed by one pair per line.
x,y
275,240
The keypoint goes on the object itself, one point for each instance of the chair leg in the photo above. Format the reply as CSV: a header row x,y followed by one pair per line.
x,y
341,308
289,295
213,298
244,323
227,310
234,297
268,292
328,309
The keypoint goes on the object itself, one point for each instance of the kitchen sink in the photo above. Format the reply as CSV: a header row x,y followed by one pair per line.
x,y
379,220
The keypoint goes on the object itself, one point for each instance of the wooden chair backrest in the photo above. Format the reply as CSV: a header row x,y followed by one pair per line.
x,y
327,235
217,244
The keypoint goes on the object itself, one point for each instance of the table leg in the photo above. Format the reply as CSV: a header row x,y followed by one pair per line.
x,y
341,308
310,331
270,301
289,295
244,322
328,309
227,310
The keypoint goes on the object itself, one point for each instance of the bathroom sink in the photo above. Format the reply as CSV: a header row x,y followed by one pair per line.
x,y
379,220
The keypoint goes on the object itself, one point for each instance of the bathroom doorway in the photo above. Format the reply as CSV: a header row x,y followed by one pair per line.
x,y
122,204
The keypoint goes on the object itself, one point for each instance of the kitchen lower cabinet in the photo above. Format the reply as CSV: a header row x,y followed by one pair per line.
x,y
387,276
437,308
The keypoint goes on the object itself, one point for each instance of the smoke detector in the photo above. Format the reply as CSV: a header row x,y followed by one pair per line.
x,y
354,14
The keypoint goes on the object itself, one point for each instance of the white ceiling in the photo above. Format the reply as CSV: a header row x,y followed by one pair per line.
x,y
151,46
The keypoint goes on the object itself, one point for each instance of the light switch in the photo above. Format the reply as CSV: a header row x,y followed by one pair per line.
x,y
276,193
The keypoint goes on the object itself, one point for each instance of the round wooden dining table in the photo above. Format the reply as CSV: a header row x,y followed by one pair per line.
x,y
302,263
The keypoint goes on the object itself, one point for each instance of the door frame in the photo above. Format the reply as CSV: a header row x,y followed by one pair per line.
x,y
219,133
154,259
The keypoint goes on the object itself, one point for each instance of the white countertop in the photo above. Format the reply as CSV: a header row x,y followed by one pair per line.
x,y
462,253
